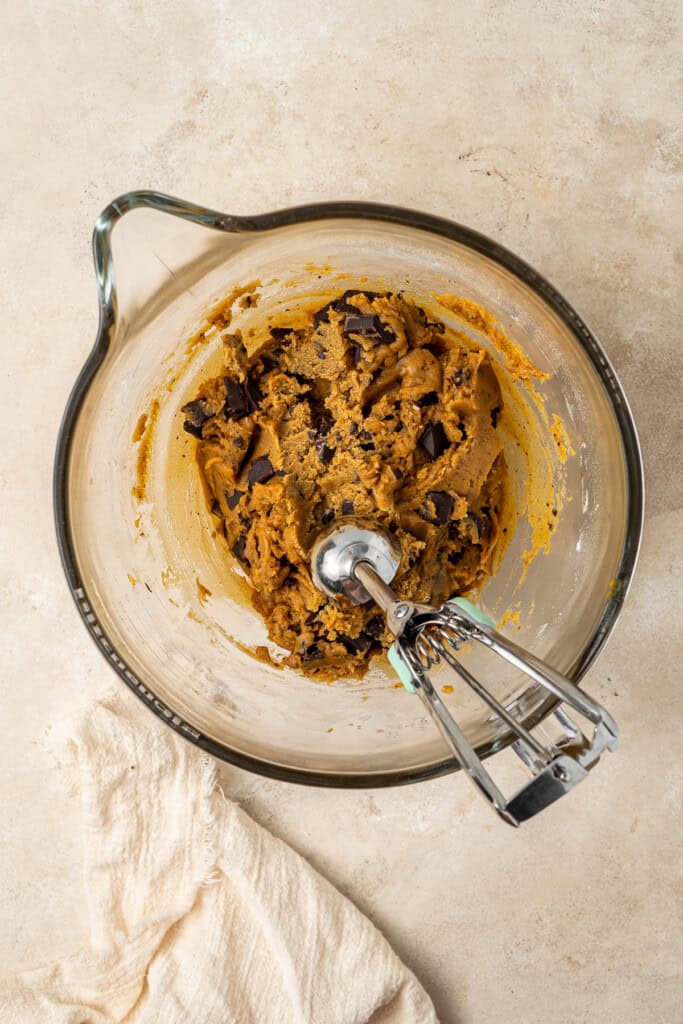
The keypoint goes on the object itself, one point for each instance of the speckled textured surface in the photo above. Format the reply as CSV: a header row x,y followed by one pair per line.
x,y
549,126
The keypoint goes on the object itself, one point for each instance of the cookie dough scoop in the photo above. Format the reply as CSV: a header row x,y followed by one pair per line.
x,y
353,559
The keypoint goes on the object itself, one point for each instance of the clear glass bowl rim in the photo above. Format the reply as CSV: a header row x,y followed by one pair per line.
x,y
106,293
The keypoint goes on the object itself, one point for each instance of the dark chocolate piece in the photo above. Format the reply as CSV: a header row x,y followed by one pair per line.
x,y
240,399
312,653
369,326
386,333
191,429
431,398
365,325
253,394
375,626
443,505
322,316
357,644
197,412
353,429
347,508
216,509
369,446
340,305
327,517
260,470
196,415
280,333
325,453
237,401
233,500
433,440
239,549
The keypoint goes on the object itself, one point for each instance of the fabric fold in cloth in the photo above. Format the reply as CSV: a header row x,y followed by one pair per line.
x,y
196,912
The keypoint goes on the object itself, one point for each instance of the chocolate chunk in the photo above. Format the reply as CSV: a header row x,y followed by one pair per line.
x,y
454,557
325,453
340,305
322,316
353,429
358,354
254,396
191,429
327,517
196,414
233,500
347,508
386,333
433,440
216,509
369,446
260,471
431,398
495,413
364,325
239,549
375,626
443,505
357,644
398,473
398,428
238,401
312,653
280,333
369,326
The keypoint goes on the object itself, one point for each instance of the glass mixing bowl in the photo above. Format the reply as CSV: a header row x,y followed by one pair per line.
x,y
154,586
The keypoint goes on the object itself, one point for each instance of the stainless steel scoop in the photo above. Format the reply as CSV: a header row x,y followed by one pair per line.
x,y
358,561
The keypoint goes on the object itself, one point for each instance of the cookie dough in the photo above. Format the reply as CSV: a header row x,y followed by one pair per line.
x,y
369,410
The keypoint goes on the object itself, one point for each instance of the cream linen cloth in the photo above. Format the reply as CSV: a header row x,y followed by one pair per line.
x,y
197,914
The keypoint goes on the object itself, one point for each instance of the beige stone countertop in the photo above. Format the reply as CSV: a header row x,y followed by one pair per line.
x,y
549,126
